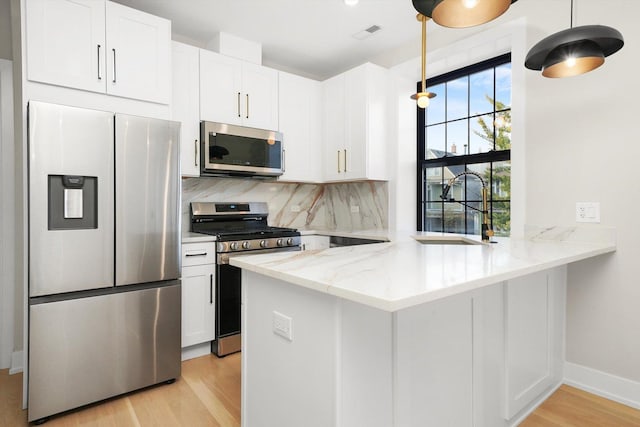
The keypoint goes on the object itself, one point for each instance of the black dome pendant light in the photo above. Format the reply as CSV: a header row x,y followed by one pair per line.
x,y
462,13
574,51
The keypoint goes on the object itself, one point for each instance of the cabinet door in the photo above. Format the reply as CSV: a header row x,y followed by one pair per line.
x,y
198,305
334,127
220,88
138,54
66,43
355,149
259,97
185,106
529,325
299,117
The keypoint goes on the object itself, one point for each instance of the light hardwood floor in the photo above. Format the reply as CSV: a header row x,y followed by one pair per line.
x,y
208,394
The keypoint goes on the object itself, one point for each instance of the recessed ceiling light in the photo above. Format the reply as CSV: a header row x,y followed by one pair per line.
x,y
351,2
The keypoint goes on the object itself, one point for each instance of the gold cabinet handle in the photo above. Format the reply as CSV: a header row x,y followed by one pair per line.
x,y
338,161
345,160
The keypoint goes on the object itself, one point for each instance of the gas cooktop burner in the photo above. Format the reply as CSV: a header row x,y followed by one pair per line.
x,y
241,227
255,234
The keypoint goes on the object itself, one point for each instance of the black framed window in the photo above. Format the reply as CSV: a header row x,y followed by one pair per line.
x,y
466,128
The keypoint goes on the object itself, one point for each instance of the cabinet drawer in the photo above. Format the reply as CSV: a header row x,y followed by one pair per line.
x,y
198,253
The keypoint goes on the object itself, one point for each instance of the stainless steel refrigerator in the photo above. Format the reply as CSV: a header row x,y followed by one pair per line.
x,y
104,255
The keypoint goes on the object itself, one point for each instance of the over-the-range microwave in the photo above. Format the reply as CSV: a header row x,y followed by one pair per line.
x,y
228,150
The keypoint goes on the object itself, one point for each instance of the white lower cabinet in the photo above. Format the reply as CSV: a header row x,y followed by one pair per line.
x,y
198,293
534,331
483,358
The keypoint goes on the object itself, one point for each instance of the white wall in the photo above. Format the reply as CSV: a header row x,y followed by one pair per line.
x,y
7,225
584,148
5,30
578,142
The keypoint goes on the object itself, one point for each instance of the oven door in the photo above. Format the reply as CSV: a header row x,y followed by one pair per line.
x,y
228,295
237,150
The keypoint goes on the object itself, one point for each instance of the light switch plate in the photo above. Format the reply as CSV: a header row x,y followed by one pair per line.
x,y
355,209
588,212
295,208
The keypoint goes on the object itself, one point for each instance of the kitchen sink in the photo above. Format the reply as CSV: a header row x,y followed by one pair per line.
x,y
447,240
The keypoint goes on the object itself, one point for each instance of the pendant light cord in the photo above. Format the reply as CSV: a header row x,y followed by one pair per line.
x,y
571,14
424,50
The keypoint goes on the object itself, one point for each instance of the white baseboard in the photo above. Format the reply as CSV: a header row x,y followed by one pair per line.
x,y
603,384
530,408
196,351
17,359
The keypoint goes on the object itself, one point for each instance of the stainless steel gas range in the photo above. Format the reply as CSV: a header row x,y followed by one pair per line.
x,y
240,229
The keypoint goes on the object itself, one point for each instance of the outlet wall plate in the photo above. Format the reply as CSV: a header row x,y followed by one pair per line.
x,y
588,212
283,325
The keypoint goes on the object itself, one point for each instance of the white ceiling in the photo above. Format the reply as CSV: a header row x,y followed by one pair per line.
x,y
307,37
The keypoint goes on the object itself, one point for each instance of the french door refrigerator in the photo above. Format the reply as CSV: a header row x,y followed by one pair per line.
x,y
104,255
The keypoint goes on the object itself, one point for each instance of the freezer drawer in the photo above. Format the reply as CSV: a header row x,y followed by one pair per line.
x,y
88,349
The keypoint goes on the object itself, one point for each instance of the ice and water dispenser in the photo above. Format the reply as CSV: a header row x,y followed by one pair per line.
x,y
73,202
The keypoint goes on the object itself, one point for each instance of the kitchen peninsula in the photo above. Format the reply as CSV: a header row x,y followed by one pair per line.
x,y
408,334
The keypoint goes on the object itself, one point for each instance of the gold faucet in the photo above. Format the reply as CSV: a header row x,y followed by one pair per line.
x,y
486,233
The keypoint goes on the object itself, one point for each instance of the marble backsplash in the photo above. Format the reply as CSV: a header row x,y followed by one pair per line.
x,y
305,206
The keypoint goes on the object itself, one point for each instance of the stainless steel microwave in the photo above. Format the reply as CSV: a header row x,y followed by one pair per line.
x,y
228,150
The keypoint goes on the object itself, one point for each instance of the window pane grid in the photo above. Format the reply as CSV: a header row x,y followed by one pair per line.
x,y
479,141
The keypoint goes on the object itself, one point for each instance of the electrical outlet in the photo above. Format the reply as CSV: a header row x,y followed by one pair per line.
x,y
355,209
295,208
283,325
587,212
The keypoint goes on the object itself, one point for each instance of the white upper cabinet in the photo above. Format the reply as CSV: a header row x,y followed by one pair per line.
x,y
138,54
355,131
185,104
237,92
99,46
66,43
300,123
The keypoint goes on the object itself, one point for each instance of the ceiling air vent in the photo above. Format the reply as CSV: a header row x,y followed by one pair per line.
x,y
368,32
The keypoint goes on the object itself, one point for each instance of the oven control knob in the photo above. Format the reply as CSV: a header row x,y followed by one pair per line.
x,y
280,242
290,241
245,245
233,246
263,243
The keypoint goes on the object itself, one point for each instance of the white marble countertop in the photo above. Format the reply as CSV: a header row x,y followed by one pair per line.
x,y
191,237
403,272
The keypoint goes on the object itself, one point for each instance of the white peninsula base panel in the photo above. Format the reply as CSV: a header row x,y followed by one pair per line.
x,y
486,357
